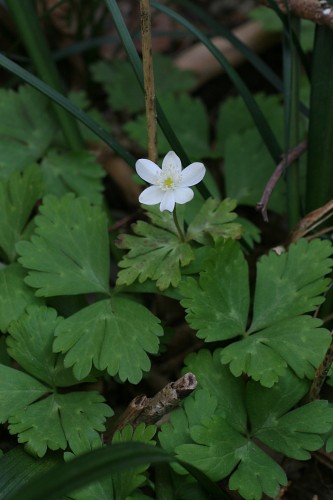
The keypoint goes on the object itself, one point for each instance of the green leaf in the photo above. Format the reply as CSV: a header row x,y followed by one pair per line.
x,y
188,118
18,195
76,172
214,220
26,129
266,354
287,286
59,420
17,468
257,473
15,295
214,446
69,254
291,284
30,344
106,335
211,374
115,75
125,483
155,253
89,467
217,305
247,163
221,443
80,100
17,390
294,433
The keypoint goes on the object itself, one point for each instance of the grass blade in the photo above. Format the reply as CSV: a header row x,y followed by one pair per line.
x,y
65,103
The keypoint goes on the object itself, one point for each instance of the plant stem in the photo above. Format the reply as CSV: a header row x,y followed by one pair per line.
x,y
321,375
26,20
148,76
319,189
180,232
291,72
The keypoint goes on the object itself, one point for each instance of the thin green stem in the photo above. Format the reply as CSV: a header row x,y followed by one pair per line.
x,y
291,70
26,20
180,232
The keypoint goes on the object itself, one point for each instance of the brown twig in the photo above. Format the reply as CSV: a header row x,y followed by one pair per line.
x,y
321,374
311,221
148,71
150,410
293,155
319,12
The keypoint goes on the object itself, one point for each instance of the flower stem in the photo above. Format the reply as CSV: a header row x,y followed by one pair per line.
x,y
180,232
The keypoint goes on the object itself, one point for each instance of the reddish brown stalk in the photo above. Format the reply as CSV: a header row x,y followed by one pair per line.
x,y
293,155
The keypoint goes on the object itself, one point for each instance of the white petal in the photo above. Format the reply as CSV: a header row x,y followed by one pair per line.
x,y
183,195
151,196
192,174
147,170
168,201
171,159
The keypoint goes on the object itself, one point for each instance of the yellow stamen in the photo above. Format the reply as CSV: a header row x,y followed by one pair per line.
x,y
168,182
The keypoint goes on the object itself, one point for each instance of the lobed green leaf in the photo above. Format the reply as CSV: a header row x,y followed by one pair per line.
x,y
217,305
76,172
59,420
18,195
213,221
154,253
69,254
26,128
105,335
30,344
15,295
17,390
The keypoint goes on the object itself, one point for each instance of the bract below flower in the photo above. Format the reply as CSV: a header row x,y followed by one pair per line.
x,y
170,184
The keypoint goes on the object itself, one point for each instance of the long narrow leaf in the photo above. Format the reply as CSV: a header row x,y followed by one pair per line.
x,y
95,465
137,67
257,115
251,56
68,105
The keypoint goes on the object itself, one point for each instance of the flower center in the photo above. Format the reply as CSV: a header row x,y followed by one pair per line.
x,y
169,178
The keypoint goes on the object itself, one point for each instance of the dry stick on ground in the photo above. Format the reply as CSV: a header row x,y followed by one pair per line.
x,y
293,155
148,71
311,221
318,11
150,410
321,374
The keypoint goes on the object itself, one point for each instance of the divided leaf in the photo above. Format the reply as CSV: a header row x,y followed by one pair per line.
x,y
115,75
15,295
77,172
69,254
217,305
247,163
292,283
59,420
125,483
26,128
287,286
114,334
30,344
188,118
214,220
154,253
18,195
223,445
17,390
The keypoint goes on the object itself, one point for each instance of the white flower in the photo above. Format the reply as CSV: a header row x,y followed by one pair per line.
x,y
170,184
